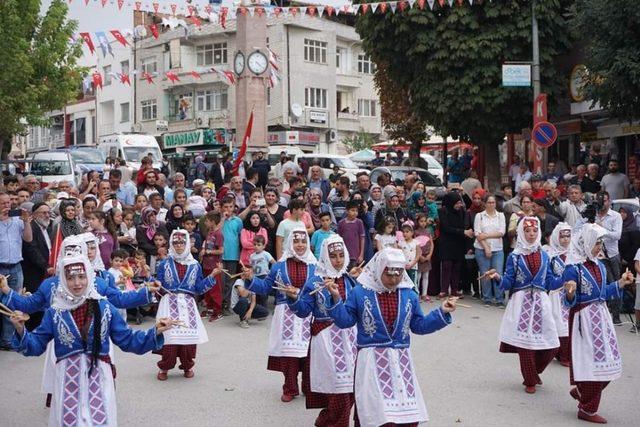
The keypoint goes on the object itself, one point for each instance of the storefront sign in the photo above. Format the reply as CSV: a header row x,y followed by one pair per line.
x,y
162,125
194,137
516,75
319,117
294,137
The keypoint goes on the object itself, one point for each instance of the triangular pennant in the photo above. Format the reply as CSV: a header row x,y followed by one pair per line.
x,y
277,11
103,2
208,8
451,3
86,2
251,11
303,11
355,8
431,3
441,3
393,5
191,9
470,2
285,11
260,11
411,3
196,21
138,5
195,75
154,30
311,10
460,2
119,37
329,10
293,11
374,7
268,11
173,77
87,39
320,11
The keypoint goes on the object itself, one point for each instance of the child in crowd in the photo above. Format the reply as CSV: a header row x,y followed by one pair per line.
x,y
189,224
432,212
106,237
142,274
245,305
351,229
122,273
386,237
211,255
296,208
160,242
261,262
424,265
231,227
322,233
252,229
411,251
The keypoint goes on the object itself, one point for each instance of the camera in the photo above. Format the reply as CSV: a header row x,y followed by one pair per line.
x,y
595,204
261,203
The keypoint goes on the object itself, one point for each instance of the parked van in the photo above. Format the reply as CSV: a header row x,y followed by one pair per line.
x,y
131,147
328,161
55,166
275,150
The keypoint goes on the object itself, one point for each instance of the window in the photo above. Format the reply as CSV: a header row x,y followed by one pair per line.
x,y
367,107
212,99
315,97
315,51
340,58
149,109
124,112
124,67
183,106
365,66
211,54
149,65
107,75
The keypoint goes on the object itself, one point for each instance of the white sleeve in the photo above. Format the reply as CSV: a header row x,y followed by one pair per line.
x,y
637,257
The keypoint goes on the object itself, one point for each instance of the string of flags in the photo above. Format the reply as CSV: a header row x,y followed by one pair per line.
x,y
194,14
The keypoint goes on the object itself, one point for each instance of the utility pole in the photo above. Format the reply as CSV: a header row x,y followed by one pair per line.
x,y
539,156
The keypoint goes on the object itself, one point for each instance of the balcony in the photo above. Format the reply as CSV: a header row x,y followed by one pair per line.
x,y
349,80
106,129
349,122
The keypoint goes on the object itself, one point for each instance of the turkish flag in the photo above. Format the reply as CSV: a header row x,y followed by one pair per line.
x,y
154,30
195,74
120,3
196,21
87,39
118,36
364,8
243,148
172,76
138,5
97,79
103,2
148,77
223,16
156,6
124,78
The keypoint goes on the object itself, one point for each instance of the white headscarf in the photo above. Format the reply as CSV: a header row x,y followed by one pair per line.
x,y
522,246
324,267
371,275
72,246
555,248
96,263
289,252
583,243
63,299
185,258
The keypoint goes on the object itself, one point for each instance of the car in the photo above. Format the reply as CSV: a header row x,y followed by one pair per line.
x,y
328,161
435,168
55,166
398,174
131,147
87,158
631,205
274,152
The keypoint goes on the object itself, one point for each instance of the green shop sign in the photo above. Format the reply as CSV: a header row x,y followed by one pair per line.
x,y
188,139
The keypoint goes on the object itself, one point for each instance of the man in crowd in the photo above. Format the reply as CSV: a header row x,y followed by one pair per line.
x,y
537,192
261,164
581,173
217,172
455,167
591,183
363,184
552,174
319,182
125,193
514,170
572,208
615,183
634,191
251,180
241,197
378,161
338,201
514,205
150,184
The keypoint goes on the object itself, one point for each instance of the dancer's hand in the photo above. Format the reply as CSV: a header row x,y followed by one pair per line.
x,y
4,285
17,319
355,272
292,292
449,304
333,288
626,279
570,289
163,324
153,286
247,273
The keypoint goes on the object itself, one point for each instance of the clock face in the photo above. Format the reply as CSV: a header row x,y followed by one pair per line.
x,y
577,82
257,62
238,63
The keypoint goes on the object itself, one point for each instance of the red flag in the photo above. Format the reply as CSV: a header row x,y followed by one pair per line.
x,y
243,11
260,11
86,2
441,3
118,36
293,11
229,76
196,21
402,5
154,30
156,6
329,10
173,8
383,7
87,39
124,78
208,8
97,79
243,148
103,2
277,11
421,4
191,8
195,74
138,5
311,10
223,16
120,3
56,244
172,76
148,77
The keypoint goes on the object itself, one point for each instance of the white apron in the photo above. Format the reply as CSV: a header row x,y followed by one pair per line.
x,y
289,335
387,390
49,372
560,313
82,400
594,352
528,321
180,306
333,358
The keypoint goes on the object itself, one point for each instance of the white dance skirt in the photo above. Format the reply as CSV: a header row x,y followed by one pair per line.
x,y
333,358
179,306
528,321
289,335
560,313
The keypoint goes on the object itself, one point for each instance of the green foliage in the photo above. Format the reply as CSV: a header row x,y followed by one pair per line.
x,y
38,70
358,141
451,58
610,30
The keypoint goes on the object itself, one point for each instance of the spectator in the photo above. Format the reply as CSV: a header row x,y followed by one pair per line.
x,y
321,234
514,205
524,175
552,195
526,210
157,203
615,183
571,209
314,209
15,231
317,181
106,236
66,225
514,170
211,256
146,231
581,173
231,228
471,183
537,192
244,304
634,191
489,228
391,209
296,209
263,167
453,234
548,222
455,167
375,199
251,228
303,166
377,161
591,183
251,182
276,211
630,237
150,184
125,193
198,170
408,184
175,218
217,173
228,163
411,251
141,202
352,231
278,171
552,174
399,157
146,164
338,201
241,197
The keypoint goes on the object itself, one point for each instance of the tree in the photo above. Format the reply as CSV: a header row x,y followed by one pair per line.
x,y
450,60
612,54
358,141
38,71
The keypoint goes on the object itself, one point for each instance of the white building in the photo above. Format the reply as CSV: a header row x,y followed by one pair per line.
x,y
325,93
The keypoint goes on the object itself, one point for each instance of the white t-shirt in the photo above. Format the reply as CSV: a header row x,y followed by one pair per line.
x,y
235,296
386,240
637,258
286,226
410,249
485,223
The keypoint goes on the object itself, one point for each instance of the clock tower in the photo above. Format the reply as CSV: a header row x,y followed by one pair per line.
x,y
251,65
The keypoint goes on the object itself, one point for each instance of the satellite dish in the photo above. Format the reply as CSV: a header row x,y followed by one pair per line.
x,y
296,110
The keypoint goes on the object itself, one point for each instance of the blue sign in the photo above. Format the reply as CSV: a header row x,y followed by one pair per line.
x,y
544,134
518,75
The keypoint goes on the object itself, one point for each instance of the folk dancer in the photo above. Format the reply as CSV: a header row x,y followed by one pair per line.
x,y
180,275
386,310
289,335
557,250
82,325
42,299
595,356
528,328
332,351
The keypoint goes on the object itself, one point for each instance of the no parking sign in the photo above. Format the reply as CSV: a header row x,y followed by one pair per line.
x,y
544,134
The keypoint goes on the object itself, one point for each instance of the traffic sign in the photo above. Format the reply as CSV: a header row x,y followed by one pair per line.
x,y
544,134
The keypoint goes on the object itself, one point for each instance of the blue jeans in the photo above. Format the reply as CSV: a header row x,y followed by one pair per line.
x,y
490,288
15,283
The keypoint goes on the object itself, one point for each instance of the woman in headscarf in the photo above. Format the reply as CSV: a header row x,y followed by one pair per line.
x,y
386,310
629,242
528,328
149,226
595,357
175,216
416,204
454,232
289,336
332,353
82,325
557,250
180,275
315,207
65,225
376,201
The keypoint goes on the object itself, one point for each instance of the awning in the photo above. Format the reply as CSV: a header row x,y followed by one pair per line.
x,y
179,153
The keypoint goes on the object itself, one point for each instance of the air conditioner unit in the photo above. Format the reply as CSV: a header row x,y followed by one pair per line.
x,y
214,122
332,135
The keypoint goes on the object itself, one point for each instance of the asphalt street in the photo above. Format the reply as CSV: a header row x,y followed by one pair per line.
x,y
464,379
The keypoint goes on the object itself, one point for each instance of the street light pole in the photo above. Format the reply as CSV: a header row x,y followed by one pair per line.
x,y
536,51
